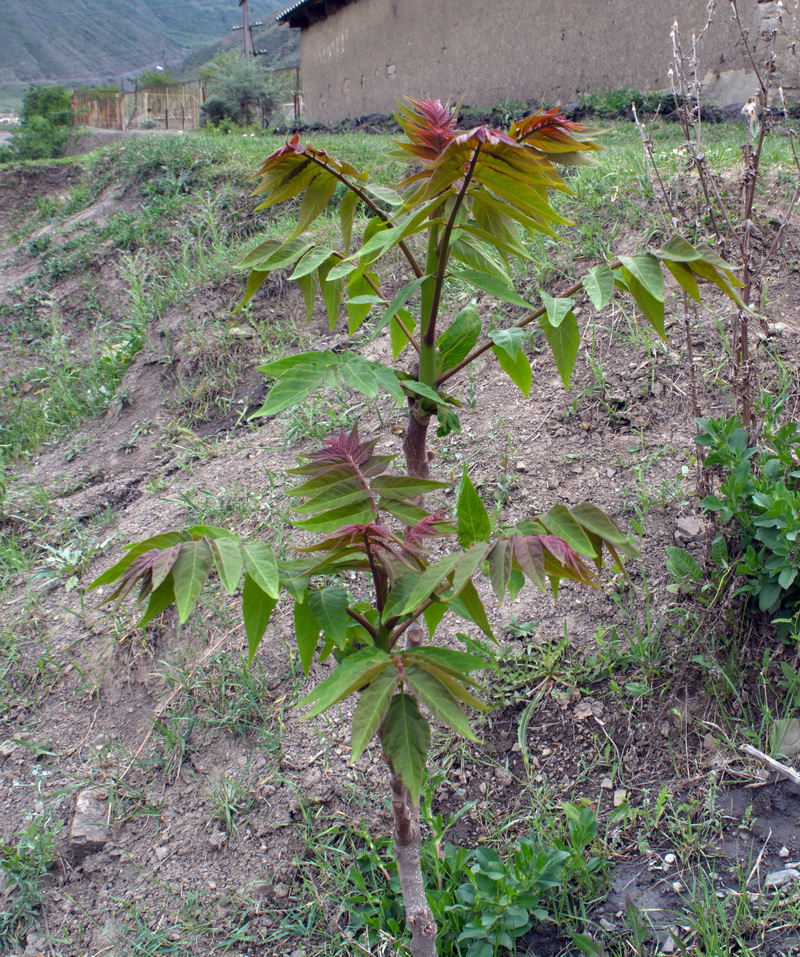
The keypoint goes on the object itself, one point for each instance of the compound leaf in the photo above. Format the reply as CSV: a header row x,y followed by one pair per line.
x,y
405,739
372,707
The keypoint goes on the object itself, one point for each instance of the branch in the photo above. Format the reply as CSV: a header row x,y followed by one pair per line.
x,y
526,320
366,625
364,197
771,763
444,247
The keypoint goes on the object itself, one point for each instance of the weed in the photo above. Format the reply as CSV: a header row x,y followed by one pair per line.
x,y
25,864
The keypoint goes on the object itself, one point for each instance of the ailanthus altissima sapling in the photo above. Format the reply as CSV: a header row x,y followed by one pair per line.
x,y
459,218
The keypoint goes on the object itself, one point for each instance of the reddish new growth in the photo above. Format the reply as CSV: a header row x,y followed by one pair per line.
x,y
341,449
429,125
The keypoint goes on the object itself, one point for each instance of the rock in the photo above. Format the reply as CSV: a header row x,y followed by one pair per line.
x,y
783,852
620,797
281,891
779,878
89,830
786,737
218,840
503,777
689,528
606,784
162,853
521,467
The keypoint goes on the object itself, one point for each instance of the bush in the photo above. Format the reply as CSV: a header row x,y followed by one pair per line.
x,y
45,125
239,89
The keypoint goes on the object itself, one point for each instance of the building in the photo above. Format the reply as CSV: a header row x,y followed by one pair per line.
x,y
359,56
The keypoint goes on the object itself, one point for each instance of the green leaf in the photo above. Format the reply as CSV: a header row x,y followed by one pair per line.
x,y
260,563
507,340
495,287
652,308
468,605
329,606
358,513
331,292
517,369
189,574
304,375
360,300
371,710
227,554
467,250
682,565
459,663
389,196
257,608
435,695
595,520
160,599
397,337
557,309
286,254
405,739
647,271
598,284
564,525
307,631
564,341
685,278
353,673
474,524
500,561
401,299
318,194
458,340
413,589
405,487
408,513
468,565
311,261
255,281
433,616
677,249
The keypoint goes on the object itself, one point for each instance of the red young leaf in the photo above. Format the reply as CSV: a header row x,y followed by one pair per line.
x,y
429,126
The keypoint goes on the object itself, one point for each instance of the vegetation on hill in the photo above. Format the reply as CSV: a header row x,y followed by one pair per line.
x,y
88,40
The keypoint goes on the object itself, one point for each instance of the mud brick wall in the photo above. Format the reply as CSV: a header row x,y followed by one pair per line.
x,y
362,58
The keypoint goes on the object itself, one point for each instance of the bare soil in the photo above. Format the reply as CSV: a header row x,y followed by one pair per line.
x,y
147,719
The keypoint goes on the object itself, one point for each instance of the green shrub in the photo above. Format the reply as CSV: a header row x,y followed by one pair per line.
x,y
759,503
45,125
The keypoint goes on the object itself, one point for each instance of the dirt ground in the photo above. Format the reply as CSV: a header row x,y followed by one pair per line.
x,y
165,730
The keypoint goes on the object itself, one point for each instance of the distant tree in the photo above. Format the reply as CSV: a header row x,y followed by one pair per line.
x,y
45,125
239,87
149,78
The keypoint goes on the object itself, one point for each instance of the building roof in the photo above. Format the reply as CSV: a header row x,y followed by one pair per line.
x,y
305,12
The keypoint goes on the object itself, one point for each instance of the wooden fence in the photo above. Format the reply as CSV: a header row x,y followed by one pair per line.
x,y
173,107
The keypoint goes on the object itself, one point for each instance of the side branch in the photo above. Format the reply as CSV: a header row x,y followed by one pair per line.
x,y
364,197
526,320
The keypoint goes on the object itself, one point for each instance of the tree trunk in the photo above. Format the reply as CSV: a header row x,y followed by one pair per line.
x,y
406,848
415,446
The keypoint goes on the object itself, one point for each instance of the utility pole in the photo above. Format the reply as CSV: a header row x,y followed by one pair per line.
x,y
249,51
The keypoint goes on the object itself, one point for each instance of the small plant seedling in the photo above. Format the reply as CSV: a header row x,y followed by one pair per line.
x,y
458,219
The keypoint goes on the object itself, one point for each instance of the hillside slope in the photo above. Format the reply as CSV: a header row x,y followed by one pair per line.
x,y
88,40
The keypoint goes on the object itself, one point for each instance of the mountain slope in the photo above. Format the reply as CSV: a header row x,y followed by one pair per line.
x,y
87,40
